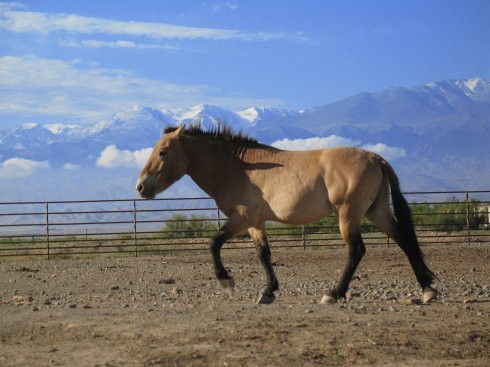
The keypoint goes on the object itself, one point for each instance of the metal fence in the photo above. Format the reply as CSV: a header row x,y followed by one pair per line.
x,y
135,227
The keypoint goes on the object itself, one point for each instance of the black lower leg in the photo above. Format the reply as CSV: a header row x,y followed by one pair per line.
x,y
215,248
424,275
356,252
264,255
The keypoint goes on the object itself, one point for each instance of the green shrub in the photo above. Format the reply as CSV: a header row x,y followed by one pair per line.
x,y
181,226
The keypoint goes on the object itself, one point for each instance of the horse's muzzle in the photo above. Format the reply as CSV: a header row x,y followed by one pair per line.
x,y
146,189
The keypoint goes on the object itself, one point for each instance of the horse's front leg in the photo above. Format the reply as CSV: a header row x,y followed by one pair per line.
x,y
233,227
259,237
226,280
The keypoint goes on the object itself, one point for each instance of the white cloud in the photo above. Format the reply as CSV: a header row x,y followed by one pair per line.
x,y
71,166
20,167
225,6
92,43
46,23
79,91
387,152
112,157
313,143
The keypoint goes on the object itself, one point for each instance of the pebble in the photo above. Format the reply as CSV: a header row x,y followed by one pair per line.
x,y
167,281
409,301
176,291
352,294
22,299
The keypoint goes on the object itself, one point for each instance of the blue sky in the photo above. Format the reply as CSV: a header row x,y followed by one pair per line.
x,y
80,61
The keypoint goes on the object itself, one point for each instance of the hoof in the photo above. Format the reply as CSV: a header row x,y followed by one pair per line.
x,y
328,300
265,299
228,285
429,294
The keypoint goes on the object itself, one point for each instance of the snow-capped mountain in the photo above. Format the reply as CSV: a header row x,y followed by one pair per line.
x,y
442,129
130,129
420,107
211,116
270,116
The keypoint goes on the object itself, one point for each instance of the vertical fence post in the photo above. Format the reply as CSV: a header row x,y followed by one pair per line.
x,y
135,233
303,235
47,227
467,210
219,220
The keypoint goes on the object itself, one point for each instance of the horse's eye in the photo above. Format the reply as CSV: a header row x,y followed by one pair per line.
x,y
162,153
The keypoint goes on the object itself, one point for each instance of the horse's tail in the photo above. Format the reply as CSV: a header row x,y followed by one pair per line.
x,y
408,239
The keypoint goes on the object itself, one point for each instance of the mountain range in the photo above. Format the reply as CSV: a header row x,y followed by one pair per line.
x,y
436,136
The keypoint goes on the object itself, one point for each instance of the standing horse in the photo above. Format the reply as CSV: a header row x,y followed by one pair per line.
x,y
253,183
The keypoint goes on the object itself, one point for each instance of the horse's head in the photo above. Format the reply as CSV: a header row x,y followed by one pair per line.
x,y
167,164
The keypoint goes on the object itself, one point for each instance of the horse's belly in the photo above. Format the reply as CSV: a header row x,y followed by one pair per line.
x,y
306,209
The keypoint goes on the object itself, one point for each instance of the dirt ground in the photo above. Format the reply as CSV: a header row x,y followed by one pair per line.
x,y
170,311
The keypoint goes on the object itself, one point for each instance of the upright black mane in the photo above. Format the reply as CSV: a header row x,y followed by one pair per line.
x,y
222,132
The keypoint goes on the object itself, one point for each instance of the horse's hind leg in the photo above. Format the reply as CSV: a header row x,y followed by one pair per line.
x,y
380,215
350,231
259,237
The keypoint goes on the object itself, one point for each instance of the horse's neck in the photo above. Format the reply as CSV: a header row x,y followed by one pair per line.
x,y
207,165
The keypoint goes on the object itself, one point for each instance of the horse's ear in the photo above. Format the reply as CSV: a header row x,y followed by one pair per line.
x,y
169,129
180,131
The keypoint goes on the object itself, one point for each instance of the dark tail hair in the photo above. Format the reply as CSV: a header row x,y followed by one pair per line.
x,y
409,242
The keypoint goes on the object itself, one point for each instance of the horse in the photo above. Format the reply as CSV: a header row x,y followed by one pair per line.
x,y
253,183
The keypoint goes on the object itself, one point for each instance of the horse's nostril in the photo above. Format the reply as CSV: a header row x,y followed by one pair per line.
x,y
139,187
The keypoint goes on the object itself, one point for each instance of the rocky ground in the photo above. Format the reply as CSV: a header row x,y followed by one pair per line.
x,y
170,311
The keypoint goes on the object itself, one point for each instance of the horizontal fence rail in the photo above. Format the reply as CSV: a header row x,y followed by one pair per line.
x,y
136,227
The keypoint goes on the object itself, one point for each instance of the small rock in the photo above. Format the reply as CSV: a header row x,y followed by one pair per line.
x,y
167,281
409,301
115,288
352,294
362,307
22,299
176,291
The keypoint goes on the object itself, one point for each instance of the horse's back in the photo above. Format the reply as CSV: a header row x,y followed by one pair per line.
x,y
309,185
